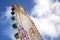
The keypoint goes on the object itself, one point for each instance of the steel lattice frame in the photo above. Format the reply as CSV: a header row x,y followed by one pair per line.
x,y
25,25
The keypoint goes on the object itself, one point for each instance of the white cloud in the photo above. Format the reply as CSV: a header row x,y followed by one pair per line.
x,y
45,26
46,20
8,12
10,31
41,7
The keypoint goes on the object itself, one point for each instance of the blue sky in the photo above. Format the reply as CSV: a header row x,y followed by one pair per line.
x,y
27,4
6,30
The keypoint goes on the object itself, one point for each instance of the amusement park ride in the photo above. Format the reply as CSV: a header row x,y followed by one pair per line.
x,y
24,24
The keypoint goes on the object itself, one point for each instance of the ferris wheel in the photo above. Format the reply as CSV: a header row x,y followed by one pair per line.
x,y
24,24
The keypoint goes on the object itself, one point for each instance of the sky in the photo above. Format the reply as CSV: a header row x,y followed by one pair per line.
x,y
44,13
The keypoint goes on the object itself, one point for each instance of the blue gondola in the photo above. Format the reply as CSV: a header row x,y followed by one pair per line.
x,y
12,12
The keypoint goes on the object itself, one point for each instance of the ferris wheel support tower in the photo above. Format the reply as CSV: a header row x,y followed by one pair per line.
x,y
24,24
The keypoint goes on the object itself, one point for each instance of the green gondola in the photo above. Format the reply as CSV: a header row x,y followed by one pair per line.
x,y
14,26
13,18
